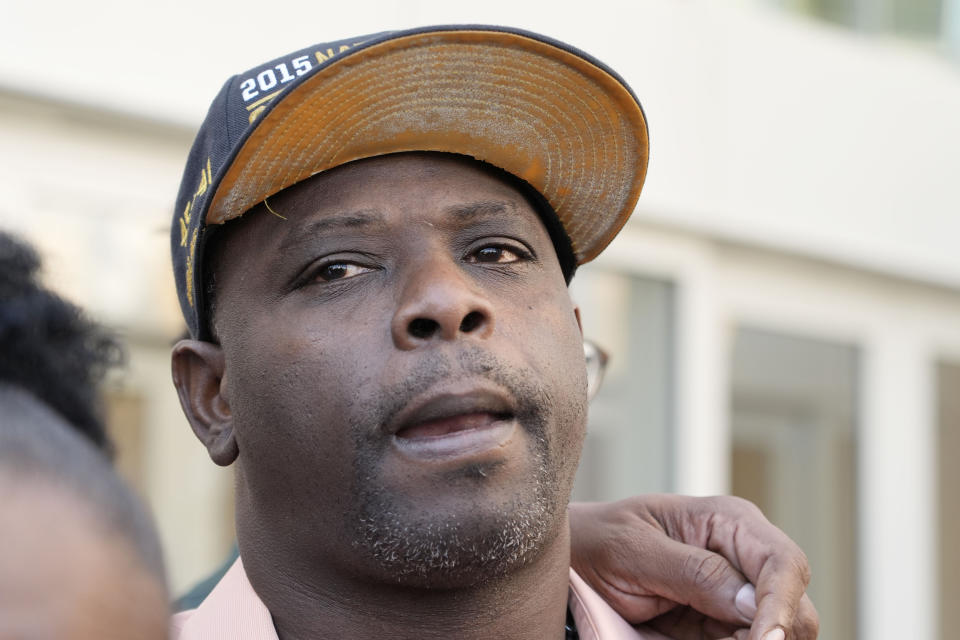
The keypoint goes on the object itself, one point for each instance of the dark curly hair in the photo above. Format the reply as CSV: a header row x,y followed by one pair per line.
x,y
48,346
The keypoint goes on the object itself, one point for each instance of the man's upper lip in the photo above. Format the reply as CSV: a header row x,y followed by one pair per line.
x,y
448,404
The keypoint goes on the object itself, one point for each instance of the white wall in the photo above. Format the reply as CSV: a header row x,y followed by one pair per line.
x,y
95,191
763,126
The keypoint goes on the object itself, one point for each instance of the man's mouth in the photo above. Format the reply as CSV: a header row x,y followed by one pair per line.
x,y
454,424
445,426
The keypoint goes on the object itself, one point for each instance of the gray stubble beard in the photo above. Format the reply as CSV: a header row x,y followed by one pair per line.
x,y
448,550
453,550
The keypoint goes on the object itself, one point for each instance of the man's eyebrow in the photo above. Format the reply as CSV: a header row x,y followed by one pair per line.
x,y
347,220
485,208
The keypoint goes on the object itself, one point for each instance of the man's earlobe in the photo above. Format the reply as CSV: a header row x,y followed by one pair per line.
x,y
198,374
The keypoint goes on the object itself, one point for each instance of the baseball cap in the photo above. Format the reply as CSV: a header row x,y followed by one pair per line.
x,y
534,107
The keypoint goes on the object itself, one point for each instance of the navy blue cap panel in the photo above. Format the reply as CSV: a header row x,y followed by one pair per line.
x,y
256,88
195,188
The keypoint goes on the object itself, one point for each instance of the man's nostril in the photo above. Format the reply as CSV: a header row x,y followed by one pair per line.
x,y
471,321
422,327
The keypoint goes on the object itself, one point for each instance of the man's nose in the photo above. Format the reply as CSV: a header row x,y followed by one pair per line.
x,y
439,302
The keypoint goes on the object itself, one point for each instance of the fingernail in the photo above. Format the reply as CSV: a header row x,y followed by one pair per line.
x,y
746,602
776,634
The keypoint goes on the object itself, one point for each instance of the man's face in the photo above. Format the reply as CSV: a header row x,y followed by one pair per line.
x,y
403,372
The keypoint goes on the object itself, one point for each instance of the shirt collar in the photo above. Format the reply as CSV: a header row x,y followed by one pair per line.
x,y
233,610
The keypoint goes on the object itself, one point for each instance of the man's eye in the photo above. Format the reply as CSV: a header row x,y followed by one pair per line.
x,y
495,255
340,270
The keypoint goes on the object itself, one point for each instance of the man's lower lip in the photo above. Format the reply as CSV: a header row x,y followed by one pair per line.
x,y
459,444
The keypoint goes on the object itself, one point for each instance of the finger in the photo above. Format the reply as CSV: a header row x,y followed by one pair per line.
x,y
703,580
767,557
637,608
739,634
685,623
779,606
645,632
615,559
806,625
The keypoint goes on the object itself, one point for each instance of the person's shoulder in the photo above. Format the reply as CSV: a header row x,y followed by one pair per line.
x,y
232,610
199,592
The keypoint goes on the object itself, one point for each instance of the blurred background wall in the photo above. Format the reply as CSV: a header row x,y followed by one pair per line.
x,y
783,310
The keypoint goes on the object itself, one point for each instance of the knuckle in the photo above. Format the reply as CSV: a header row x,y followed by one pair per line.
x,y
706,572
808,620
735,506
814,627
745,506
808,628
802,566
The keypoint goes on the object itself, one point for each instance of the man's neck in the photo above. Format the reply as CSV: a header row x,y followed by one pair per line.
x,y
526,604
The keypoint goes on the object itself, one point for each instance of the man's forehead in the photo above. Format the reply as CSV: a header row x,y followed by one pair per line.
x,y
496,212
375,193
358,200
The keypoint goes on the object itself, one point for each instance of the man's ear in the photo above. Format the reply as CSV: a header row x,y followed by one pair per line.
x,y
576,312
198,374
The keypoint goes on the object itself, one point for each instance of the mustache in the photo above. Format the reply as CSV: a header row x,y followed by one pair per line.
x,y
532,399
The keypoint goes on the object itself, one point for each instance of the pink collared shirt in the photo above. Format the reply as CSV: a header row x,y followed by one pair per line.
x,y
233,611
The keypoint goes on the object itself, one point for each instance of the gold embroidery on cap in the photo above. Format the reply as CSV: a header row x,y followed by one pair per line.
x,y
202,189
258,107
206,181
188,275
256,113
262,101
323,57
184,222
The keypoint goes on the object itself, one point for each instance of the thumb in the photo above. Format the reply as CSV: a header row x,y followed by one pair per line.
x,y
707,582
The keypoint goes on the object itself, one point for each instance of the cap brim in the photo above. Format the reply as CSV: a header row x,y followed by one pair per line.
x,y
537,110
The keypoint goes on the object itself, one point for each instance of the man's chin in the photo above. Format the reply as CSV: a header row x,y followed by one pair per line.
x,y
456,548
